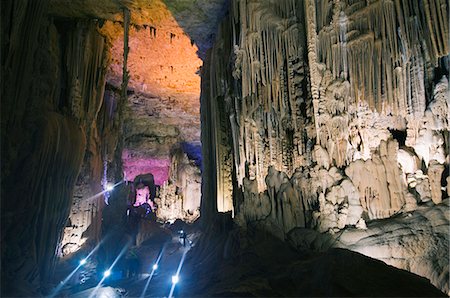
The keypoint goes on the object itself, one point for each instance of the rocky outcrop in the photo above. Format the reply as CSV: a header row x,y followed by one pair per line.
x,y
245,265
56,123
417,242
44,146
329,114
179,197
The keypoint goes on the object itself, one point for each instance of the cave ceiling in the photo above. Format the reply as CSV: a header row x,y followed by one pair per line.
x,y
199,19
167,43
167,40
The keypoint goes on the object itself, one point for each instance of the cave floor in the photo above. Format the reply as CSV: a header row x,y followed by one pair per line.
x,y
158,286
233,262
131,278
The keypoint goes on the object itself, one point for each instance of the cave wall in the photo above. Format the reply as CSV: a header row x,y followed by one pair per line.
x,y
53,121
96,109
161,132
329,114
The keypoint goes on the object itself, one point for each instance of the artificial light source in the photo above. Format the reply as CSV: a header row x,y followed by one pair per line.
x,y
109,186
175,279
182,237
155,266
107,273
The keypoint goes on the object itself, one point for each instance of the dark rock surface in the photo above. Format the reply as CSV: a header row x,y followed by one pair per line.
x,y
253,263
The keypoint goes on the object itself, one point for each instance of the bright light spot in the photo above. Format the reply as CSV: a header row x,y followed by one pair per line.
x,y
175,279
107,273
109,186
155,266
83,261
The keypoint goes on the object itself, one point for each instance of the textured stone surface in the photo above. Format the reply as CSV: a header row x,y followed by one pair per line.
x,y
322,118
179,196
245,265
416,241
199,19
331,118
51,111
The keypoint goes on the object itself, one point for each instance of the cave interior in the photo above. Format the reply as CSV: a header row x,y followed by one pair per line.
x,y
234,148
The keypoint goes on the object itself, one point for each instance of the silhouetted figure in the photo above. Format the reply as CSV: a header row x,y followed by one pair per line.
x,y
132,264
142,205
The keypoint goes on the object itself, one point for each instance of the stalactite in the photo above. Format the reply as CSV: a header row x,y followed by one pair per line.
x,y
126,49
86,102
388,49
363,82
86,84
269,81
435,11
310,10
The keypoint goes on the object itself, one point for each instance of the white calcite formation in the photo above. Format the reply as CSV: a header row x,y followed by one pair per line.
x,y
398,243
416,241
179,197
379,182
329,114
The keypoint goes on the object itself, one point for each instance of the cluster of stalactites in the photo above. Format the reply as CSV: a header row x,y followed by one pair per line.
x,y
266,40
383,48
268,64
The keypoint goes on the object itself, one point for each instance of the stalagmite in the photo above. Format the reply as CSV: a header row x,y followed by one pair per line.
x,y
338,109
435,170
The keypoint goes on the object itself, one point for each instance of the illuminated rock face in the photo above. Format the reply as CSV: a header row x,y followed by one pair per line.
x,y
396,242
162,61
179,196
162,112
52,135
331,114
353,102
415,241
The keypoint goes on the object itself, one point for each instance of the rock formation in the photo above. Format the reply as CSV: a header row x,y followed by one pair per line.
x,y
54,118
329,114
179,196
330,117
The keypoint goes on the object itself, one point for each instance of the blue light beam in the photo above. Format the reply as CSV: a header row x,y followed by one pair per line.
x,y
105,274
82,262
176,277
109,188
154,268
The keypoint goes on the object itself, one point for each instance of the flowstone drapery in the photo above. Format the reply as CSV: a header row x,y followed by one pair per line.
x,y
354,107
330,114
179,197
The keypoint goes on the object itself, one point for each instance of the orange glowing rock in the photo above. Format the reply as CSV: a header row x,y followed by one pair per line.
x,y
162,60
